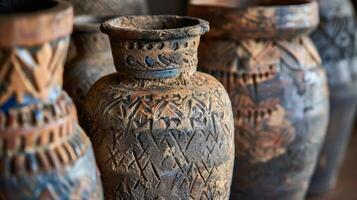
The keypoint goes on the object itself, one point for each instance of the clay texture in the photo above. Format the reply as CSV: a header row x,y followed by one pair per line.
x,y
336,40
44,154
109,7
160,129
273,74
93,60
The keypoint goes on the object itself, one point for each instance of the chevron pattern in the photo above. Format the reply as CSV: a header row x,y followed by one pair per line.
x,y
34,72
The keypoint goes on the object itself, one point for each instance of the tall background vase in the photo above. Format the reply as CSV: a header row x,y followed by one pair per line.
x,y
44,154
160,129
336,41
109,7
105,8
93,60
263,56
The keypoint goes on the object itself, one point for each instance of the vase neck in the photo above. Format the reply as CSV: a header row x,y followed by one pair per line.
x,y
147,59
91,43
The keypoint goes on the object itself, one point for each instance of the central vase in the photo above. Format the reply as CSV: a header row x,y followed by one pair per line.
x,y
44,154
160,129
263,56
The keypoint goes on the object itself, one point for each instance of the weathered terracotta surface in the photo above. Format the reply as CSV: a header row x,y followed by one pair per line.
x,y
93,60
273,73
160,129
109,7
44,154
336,40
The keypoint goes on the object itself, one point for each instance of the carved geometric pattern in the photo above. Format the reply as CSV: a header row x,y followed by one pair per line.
x,y
336,40
34,72
257,61
263,130
45,141
172,145
264,133
79,181
151,56
44,154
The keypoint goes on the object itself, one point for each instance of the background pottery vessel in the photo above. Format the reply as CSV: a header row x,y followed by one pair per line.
x,y
93,60
172,7
44,153
272,71
105,8
109,7
336,41
160,129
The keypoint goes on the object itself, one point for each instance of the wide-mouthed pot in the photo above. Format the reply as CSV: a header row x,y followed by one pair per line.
x,y
336,41
44,154
262,54
160,129
92,61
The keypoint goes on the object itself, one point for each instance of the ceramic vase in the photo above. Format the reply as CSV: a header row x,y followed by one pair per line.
x,y
92,61
262,54
109,7
160,129
336,41
44,154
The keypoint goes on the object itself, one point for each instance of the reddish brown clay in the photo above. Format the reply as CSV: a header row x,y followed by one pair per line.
x,y
160,129
93,60
109,7
43,152
273,73
336,40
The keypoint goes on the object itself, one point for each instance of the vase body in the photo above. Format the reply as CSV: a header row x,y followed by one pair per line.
x,y
279,94
93,60
109,7
335,39
160,130
44,153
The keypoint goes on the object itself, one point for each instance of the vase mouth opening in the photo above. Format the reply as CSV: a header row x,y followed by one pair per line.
x,y
28,23
90,23
159,27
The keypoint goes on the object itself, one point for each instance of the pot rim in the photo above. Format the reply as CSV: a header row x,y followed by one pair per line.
x,y
138,27
34,27
259,21
90,23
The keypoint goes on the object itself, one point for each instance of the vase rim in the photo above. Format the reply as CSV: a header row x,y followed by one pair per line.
x,y
154,27
90,23
281,20
35,25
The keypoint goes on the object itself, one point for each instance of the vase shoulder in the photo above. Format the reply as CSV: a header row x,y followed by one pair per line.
x,y
118,85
